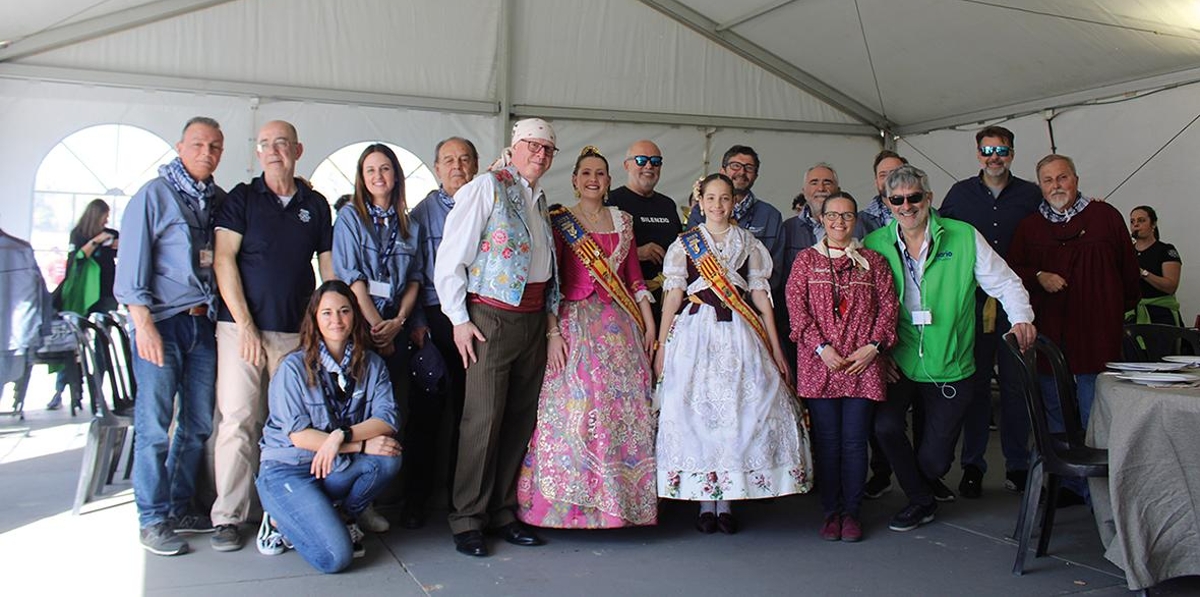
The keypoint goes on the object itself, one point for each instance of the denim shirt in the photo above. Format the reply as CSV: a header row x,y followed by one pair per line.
x,y
158,263
431,214
356,250
295,406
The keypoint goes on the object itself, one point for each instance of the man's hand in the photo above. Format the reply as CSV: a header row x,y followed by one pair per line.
x,y
1051,282
556,353
1026,335
651,252
465,335
149,343
252,348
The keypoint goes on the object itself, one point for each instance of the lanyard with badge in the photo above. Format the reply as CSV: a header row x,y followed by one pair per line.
x,y
921,316
206,248
382,288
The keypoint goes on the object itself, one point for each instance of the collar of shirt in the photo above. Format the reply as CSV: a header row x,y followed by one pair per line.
x,y
1058,218
806,218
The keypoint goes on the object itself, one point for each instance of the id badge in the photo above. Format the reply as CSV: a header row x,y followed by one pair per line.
x,y
379,289
206,257
922,317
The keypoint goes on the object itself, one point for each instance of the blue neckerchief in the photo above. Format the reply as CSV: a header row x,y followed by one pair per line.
x,y
385,219
336,384
879,210
446,198
1060,218
806,218
196,190
741,209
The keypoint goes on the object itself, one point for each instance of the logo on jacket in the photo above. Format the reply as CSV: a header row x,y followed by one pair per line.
x,y
304,215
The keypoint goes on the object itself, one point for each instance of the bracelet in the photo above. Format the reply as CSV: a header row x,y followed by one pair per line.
x,y
363,448
553,333
655,346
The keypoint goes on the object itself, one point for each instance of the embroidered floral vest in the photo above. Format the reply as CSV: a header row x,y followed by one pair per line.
x,y
501,268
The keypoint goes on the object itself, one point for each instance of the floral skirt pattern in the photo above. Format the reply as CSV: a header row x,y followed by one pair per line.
x,y
590,462
729,428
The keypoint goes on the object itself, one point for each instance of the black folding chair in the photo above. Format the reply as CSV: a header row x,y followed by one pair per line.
x,y
1055,455
1156,340
108,430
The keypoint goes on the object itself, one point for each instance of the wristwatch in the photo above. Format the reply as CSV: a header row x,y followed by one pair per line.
x,y
347,433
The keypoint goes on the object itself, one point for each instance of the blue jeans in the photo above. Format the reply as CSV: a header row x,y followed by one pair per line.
x,y
1085,392
303,505
165,470
840,428
1014,416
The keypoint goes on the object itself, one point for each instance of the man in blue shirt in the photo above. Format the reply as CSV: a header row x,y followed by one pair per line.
x,y
456,162
267,232
164,275
994,202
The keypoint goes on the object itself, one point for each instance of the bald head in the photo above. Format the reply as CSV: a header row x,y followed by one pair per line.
x,y
643,178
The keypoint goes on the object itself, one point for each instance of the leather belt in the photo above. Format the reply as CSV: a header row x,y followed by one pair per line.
x,y
198,311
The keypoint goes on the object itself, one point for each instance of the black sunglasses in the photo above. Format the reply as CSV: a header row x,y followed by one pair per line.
x,y
642,160
1000,150
912,199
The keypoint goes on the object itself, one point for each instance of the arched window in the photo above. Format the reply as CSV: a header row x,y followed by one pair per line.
x,y
334,176
107,161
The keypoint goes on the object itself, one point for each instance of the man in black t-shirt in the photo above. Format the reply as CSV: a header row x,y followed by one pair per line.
x,y
655,217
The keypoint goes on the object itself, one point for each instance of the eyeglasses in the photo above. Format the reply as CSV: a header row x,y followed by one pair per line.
x,y
536,148
912,199
642,160
736,166
280,145
1000,150
833,216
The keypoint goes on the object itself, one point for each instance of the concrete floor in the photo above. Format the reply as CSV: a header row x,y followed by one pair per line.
x,y
44,548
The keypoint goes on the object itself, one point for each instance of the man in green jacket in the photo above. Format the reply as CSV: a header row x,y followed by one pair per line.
x,y
936,264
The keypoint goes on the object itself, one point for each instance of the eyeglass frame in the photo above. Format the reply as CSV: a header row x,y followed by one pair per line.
x,y
642,160
735,166
988,151
898,200
845,216
536,147
280,144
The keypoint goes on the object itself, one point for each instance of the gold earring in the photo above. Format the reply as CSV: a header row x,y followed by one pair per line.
x,y
576,192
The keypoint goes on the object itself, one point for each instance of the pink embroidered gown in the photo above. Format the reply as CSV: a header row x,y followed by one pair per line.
x,y
590,463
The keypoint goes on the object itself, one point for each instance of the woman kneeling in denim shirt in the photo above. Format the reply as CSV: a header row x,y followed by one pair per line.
x,y
327,447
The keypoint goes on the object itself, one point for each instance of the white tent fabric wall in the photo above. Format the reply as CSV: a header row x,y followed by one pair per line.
x,y
1107,142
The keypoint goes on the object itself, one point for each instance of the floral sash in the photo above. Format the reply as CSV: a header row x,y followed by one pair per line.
x,y
596,262
714,273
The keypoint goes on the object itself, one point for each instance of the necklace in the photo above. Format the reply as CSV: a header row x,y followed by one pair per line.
x,y
591,216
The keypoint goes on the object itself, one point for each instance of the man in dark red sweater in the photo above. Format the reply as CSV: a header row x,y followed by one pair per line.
x,y
1075,258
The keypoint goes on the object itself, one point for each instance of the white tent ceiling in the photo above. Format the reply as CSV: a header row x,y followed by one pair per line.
x,y
842,66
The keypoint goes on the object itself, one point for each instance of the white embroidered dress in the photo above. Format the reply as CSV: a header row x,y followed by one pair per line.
x,y
729,428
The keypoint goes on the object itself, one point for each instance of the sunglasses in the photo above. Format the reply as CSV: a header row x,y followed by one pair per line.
x,y
912,199
1000,150
642,160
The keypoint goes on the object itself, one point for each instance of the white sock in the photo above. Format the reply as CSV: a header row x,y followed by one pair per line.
x,y
723,507
708,507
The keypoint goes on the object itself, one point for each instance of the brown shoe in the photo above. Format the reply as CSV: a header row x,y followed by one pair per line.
x,y
707,523
726,523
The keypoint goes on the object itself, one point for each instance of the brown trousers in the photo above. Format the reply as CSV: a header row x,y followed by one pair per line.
x,y
499,413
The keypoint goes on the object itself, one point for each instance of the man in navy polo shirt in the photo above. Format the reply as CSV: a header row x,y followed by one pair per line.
x,y
994,202
267,232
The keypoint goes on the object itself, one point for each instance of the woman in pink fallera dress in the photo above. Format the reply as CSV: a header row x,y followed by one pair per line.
x,y
843,312
590,462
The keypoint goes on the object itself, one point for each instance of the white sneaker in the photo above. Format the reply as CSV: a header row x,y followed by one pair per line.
x,y
370,520
270,541
356,539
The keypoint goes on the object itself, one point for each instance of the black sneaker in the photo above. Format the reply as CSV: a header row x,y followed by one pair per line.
x,y
941,493
192,524
971,486
1015,481
877,486
226,538
160,539
912,516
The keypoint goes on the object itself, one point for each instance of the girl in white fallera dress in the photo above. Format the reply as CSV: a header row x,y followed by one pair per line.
x,y
730,427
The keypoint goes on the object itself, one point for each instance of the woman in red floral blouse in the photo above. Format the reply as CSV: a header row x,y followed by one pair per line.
x,y
843,313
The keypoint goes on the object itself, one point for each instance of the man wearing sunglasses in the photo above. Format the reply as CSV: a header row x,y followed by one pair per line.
x,y
655,217
994,202
936,264
740,163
